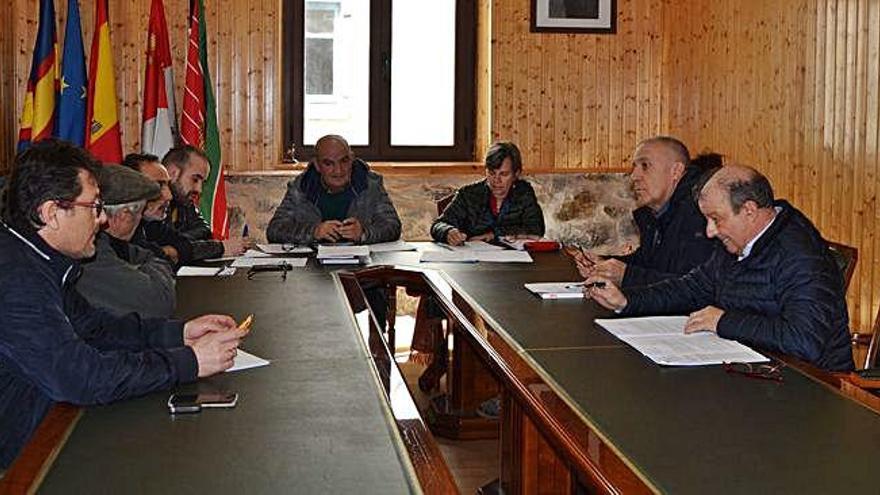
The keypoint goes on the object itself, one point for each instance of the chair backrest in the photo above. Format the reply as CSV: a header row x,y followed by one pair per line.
x,y
845,257
443,202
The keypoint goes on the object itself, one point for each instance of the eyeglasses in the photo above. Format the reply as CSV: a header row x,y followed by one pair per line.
x,y
97,205
771,372
283,268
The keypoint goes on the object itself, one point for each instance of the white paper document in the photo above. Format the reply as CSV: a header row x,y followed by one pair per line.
x,y
388,247
662,339
327,251
253,253
557,290
249,262
245,360
504,256
284,249
199,271
446,256
479,246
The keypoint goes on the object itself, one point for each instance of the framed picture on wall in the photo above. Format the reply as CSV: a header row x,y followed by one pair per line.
x,y
574,16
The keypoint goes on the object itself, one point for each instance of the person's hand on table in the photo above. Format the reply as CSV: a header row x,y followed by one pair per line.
x,y
704,320
237,247
486,237
198,327
351,229
455,237
328,231
604,292
215,352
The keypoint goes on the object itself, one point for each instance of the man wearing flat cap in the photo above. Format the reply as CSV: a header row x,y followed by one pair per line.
x,y
123,277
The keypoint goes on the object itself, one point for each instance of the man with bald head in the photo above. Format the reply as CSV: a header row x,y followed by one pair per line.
x,y
671,228
771,284
338,198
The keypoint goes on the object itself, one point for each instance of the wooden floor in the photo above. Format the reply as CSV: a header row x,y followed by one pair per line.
x,y
473,462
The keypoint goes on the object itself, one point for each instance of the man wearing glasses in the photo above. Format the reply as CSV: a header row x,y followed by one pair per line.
x,y
56,347
148,280
773,285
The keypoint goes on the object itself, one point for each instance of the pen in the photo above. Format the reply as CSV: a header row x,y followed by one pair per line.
x,y
244,231
591,285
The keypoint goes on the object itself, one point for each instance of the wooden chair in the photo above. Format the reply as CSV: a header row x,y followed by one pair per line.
x,y
845,257
871,341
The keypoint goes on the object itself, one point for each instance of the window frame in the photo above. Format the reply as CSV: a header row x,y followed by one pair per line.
x,y
379,132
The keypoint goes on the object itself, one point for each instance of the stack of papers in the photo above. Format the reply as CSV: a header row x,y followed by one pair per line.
x,y
268,261
467,255
343,255
662,339
200,271
557,290
284,249
388,247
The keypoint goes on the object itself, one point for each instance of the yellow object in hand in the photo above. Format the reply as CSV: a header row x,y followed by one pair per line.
x,y
246,324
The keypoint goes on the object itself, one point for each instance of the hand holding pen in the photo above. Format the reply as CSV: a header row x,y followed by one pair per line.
x,y
604,292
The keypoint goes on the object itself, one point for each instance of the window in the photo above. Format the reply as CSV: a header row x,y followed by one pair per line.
x,y
394,77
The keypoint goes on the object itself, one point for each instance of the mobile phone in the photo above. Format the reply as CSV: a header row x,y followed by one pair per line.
x,y
193,403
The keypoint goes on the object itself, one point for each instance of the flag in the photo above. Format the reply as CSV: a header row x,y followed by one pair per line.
x,y
38,114
158,120
198,123
103,137
72,96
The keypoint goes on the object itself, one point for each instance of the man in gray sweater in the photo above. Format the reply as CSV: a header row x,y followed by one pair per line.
x,y
122,277
336,199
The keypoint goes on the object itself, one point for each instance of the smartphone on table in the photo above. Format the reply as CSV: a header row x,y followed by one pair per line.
x,y
193,403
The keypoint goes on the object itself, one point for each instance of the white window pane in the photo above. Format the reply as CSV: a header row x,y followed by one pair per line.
x,y
337,72
422,72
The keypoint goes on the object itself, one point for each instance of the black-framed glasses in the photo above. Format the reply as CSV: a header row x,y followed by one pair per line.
x,y
281,267
771,372
97,205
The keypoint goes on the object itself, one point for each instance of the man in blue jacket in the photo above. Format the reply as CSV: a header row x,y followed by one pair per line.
x,y
671,228
773,285
54,346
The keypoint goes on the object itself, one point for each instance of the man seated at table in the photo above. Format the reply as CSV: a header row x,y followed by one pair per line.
x,y
156,232
122,277
188,168
56,347
337,198
500,205
773,285
671,228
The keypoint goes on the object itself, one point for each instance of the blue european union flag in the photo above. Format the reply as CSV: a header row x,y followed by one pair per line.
x,y
72,100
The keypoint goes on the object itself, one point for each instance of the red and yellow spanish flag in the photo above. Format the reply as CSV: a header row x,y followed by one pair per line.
x,y
103,136
38,113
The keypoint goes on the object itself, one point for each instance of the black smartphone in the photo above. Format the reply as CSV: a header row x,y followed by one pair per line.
x,y
193,403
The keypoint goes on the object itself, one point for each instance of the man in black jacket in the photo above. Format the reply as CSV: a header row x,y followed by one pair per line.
x,y
188,168
671,228
54,346
773,285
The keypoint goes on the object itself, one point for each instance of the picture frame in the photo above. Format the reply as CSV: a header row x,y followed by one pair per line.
x,y
574,16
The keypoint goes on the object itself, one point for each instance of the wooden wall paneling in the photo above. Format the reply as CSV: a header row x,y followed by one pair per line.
x,y
561,93
518,65
867,240
530,77
501,79
574,97
482,130
859,31
588,100
221,75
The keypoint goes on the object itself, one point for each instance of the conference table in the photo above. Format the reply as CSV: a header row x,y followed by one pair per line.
x,y
582,412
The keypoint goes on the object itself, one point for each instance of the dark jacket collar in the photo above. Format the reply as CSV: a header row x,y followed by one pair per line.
x,y
65,268
784,217
311,184
683,193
